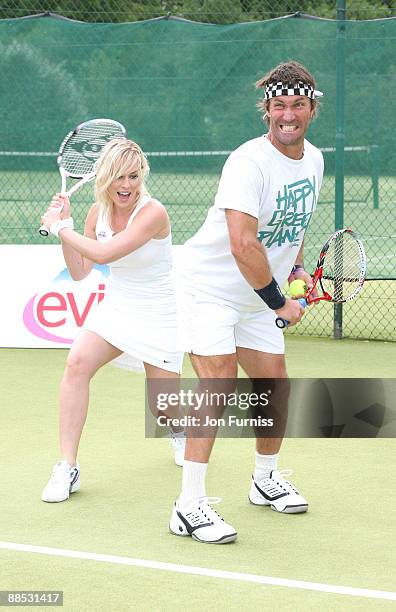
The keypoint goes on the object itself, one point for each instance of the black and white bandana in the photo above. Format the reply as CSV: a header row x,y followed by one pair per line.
x,y
273,90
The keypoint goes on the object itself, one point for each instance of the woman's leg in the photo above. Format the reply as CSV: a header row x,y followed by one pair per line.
x,y
88,353
160,384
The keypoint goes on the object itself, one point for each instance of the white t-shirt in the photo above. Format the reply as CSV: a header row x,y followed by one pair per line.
x,y
281,193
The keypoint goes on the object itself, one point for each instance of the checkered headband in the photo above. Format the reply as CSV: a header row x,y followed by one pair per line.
x,y
273,90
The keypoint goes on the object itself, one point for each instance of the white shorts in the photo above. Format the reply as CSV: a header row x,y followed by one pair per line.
x,y
211,327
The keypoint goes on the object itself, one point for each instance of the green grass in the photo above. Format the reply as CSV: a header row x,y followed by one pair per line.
x,y
345,539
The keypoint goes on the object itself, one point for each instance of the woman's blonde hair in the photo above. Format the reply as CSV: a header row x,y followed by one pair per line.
x,y
117,158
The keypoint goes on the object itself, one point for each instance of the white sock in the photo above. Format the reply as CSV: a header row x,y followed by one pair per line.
x,y
178,434
264,465
193,483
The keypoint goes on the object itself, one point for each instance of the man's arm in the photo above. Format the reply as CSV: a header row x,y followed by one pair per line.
x,y
252,261
300,256
298,271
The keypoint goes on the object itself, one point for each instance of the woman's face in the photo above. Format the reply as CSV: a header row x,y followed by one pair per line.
x,y
125,189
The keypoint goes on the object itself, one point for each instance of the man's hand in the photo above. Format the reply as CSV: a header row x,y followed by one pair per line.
x,y
292,311
301,274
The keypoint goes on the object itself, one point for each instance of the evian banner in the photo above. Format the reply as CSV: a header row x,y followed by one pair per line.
x,y
41,305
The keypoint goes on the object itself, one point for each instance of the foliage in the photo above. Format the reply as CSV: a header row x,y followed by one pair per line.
x,y
209,11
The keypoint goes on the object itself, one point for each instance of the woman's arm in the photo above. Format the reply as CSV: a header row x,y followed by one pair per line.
x,y
149,222
78,265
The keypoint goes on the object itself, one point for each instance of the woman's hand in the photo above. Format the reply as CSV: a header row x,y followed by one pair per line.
x,y
63,203
58,209
51,216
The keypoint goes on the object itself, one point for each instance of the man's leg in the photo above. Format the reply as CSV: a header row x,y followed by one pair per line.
x,y
259,365
192,514
217,367
268,485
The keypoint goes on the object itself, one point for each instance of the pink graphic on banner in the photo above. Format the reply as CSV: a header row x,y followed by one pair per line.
x,y
61,308
32,325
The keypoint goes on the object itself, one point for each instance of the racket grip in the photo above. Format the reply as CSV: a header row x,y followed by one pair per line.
x,y
43,231
282,323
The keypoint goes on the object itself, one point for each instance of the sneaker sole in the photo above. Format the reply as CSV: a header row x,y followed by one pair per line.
x,y
224,540
291,509
288,510
59,501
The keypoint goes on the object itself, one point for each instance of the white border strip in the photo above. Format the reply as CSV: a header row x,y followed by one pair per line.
x,y
201,571
172,153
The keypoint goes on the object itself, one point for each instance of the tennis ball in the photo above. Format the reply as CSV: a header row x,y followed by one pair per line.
x,y
297,288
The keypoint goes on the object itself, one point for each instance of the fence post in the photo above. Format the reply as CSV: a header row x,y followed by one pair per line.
x,y
374,151
339,141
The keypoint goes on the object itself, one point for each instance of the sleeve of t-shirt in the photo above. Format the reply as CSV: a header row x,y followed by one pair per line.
x,y
241,186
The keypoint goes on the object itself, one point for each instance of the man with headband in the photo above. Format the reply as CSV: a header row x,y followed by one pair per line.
x,y
233,270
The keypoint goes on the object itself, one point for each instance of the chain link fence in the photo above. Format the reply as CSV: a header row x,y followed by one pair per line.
x,y
185,92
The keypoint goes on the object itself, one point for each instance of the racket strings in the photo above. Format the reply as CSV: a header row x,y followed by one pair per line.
x,y
343,270
83,148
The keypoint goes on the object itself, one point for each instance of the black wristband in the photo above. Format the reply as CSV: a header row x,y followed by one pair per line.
x,y
295,269
272,295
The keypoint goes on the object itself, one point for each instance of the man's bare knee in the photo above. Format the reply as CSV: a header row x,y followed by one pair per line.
x,y
215,366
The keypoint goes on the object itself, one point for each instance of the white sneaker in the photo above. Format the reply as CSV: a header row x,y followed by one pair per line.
x,y
201,522
65,479
178,443
278,493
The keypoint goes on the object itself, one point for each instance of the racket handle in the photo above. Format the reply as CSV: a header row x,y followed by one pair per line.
x,y
44,231
282,323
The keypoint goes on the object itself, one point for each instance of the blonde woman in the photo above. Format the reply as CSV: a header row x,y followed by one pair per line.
x,y
130,231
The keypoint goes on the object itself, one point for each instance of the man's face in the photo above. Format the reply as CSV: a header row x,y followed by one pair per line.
x,y
289,118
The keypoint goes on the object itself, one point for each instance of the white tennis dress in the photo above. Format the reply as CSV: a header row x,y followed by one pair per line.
x,y
138,313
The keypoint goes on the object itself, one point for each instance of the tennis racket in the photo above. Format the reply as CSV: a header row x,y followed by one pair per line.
x,y
340,271
80,150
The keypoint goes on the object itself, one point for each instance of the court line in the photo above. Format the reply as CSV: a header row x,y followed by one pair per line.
x,y
201,571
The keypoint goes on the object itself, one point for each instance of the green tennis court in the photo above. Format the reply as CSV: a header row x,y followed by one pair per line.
x,y
129,484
